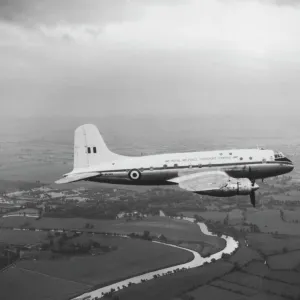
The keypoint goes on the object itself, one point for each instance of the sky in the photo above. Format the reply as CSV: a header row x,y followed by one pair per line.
x,y
129,57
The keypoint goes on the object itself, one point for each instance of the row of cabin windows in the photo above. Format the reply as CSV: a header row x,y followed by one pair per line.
x,y
190,166
89,149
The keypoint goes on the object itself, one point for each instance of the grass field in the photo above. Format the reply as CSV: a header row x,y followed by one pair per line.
x,y
207,215
21,237
270,221
228,286
262,270
291,216
257,268
168,287
289,277
262,284
213,292
173,229
287,261
244,255
265,296
132,257
18,284
269,244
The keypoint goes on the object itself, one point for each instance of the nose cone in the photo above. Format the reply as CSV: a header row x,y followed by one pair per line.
x,y
289,167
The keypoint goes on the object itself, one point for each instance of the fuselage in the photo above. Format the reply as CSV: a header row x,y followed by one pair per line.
x,y
158,169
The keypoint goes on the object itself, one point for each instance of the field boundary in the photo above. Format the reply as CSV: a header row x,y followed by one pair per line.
x,y
231,246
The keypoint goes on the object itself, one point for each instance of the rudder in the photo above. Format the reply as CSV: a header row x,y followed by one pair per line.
x,y
90,148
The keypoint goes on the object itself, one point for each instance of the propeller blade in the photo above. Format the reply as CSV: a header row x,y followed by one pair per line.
x,y
252,198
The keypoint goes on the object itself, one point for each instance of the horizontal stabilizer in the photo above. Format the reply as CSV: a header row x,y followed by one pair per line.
x,y
76,177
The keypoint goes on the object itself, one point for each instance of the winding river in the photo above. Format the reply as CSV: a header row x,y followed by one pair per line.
x,y
231,246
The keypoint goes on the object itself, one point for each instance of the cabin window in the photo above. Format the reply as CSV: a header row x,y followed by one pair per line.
x,y
221,154
230,153
175,165
190,166
241,158
151,168
94,149
200,166
141,169
250,157
89,149
165,166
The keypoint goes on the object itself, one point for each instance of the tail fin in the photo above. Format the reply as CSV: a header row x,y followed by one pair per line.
x,y
90,148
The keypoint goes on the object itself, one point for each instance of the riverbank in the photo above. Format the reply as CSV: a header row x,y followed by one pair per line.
x,y
231,246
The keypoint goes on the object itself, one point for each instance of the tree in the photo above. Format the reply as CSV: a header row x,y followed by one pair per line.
x,y
146,235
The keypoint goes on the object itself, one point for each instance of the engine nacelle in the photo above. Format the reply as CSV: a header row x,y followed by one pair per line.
x,y
233,187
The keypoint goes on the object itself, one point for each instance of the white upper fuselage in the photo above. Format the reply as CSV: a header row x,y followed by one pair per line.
x,y
157,169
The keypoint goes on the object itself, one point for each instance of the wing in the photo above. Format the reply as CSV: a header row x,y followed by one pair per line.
x,y
76,177
202,181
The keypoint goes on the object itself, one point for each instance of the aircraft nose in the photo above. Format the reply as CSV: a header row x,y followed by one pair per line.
x,y
291,167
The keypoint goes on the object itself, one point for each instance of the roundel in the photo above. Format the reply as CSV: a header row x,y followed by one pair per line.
x,y
134,174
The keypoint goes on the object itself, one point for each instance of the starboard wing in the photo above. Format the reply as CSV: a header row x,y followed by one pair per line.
x,y
76,177
202,181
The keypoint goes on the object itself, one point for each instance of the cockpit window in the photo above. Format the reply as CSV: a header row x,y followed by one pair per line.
x,y
280,157
278,154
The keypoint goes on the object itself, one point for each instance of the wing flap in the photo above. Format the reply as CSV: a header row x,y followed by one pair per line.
x,y
76,177
204,181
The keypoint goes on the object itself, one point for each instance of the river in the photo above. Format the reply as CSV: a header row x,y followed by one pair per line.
x,y
231,246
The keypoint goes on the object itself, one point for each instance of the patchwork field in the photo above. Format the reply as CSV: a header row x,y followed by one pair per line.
x,y
131,258
269,221
173,229
169,287
273,244
244,255
292,216
287,261
251,275
263,284
207,215
213,292
21,237
17,283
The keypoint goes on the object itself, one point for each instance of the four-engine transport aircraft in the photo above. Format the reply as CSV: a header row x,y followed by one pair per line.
x,y
221,173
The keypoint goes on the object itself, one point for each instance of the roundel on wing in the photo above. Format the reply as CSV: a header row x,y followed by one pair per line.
x,y
134,174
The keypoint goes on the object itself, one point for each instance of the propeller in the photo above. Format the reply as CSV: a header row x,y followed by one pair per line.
x,y
252,198
252,193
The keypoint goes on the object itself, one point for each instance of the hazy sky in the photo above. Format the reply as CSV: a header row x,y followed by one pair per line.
x,y
102,57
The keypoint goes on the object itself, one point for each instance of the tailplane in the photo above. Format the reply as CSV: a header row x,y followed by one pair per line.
x,y
90,148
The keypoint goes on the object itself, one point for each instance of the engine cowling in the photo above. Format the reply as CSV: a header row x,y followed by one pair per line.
x,y
233,187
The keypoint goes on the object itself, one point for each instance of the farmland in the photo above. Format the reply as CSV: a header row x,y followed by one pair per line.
x,y
18,283
132,258
207,215
286,261
174,230
21,237
251,274
180,282
266,265
272,244
269,221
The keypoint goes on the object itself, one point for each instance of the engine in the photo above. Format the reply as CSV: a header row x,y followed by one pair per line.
x,y
233,187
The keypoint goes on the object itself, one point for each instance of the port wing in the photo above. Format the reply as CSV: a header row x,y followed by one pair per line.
x,y
202,181
73,177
